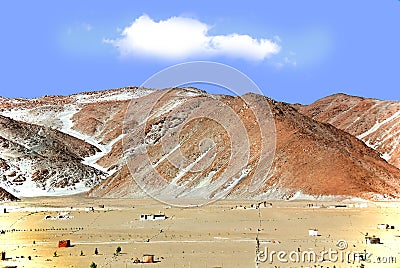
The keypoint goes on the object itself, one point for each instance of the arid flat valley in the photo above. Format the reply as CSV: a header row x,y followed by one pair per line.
x,y
221,234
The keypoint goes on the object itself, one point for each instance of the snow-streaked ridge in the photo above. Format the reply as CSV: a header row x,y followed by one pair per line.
x,y
67,127
378,125
118,95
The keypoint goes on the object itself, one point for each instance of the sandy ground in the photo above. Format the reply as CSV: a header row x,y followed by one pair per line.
x,y
216,235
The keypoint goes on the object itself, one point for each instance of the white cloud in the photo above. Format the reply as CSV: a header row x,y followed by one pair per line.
x,y
182,38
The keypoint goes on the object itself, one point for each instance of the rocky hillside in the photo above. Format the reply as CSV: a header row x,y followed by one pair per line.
x,y
6,196
189,137
37,160
375,122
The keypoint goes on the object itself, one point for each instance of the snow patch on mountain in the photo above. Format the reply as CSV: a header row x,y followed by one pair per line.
x,y
378,125
116,95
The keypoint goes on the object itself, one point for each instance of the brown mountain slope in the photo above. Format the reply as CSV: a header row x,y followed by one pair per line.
x,y
375,122
6,196
311,158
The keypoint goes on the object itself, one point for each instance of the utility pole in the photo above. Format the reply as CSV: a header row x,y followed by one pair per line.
x,y
257,238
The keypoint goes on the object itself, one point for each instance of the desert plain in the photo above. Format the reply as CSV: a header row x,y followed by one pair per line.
x,y
220,234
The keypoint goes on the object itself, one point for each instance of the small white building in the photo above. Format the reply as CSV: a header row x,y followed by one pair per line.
x,y
359,257
383,226
313,232
152,217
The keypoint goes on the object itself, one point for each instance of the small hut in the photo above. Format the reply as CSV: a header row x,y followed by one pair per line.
x,y
383,226
313,232
64,243
372,240
148,258
153,217
359,257
3,255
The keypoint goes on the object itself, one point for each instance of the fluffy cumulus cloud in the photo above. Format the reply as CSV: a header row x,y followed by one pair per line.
x,y
183,38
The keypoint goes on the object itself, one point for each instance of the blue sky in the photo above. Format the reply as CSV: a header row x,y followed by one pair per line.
x,y
295,51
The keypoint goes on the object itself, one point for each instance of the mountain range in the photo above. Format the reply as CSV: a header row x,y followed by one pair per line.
x,y
373,121
339,146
